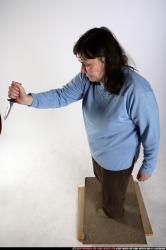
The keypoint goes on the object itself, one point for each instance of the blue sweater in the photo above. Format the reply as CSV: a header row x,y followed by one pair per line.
x,y
116,125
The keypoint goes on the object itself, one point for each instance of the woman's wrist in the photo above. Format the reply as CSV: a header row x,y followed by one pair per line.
x,y
29,99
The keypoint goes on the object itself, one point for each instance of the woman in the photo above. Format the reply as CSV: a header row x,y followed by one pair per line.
x,y
119,109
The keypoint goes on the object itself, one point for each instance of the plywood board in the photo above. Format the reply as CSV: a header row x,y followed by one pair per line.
x,y
80,216
100,230
144,215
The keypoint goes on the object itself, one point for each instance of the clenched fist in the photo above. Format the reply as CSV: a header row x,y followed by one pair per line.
x,y
17,92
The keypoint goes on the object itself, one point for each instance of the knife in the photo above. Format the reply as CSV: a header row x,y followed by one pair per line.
x,y
9,107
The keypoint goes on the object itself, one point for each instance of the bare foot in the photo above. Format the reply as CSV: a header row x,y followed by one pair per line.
x,y
101,212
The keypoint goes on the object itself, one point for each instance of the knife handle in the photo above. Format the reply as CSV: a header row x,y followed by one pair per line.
x,y
11,100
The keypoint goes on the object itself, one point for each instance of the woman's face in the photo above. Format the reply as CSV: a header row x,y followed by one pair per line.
x,y
93,68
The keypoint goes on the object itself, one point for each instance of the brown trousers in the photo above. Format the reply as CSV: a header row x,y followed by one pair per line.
x,y
114,186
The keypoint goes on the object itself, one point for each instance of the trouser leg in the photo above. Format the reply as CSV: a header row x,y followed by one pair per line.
x,y
114,186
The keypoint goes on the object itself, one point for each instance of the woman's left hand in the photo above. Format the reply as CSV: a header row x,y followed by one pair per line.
x,y
142,177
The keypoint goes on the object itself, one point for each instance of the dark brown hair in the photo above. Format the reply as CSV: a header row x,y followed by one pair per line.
x,y
100,42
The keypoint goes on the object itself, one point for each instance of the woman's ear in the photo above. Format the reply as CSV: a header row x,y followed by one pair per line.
x,y
102,59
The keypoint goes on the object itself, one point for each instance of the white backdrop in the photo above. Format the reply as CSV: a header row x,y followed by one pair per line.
x,y
36,42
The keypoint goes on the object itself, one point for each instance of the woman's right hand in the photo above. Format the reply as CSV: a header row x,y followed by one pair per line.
x,y
17,92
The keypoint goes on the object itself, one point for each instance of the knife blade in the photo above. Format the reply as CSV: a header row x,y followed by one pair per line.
x,y
9,107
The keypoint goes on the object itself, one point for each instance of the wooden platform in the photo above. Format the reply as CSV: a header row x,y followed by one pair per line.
x,y
94,229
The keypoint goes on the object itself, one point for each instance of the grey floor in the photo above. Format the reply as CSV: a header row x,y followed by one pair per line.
x,y
42,165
